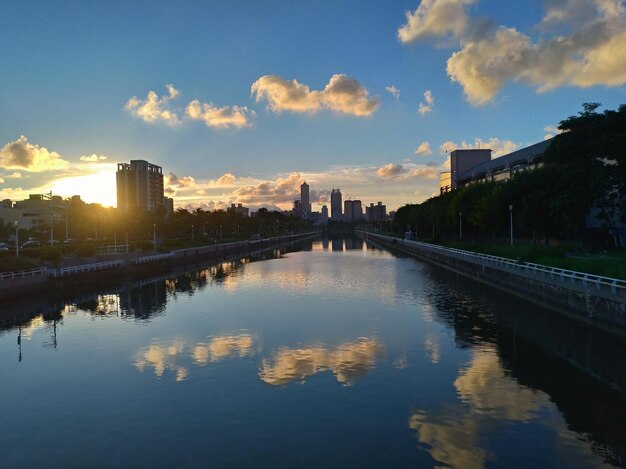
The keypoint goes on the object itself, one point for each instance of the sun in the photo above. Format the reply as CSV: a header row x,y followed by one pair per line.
x,y
98,187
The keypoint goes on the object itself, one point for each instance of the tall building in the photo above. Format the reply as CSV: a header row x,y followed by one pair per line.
x,y
139,186
240,209
376,213
335,205
352,211
305,201
324,215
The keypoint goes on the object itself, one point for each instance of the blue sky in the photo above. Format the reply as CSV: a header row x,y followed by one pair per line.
x,y
69,70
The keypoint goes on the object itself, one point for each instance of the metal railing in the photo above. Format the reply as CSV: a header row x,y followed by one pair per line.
x,y
23,274
83,268
562,275
153,258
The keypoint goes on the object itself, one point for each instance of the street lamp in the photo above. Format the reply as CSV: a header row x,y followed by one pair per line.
x,y
193,235
154,235
511,222
17,240
460,225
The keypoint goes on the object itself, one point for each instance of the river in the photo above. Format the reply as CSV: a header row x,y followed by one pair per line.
x,y
327,353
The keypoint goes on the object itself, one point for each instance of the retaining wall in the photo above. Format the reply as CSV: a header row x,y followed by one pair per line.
x,y
600,301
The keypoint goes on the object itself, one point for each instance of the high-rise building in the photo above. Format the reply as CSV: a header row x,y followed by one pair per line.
x,y
324,216
139,186
335,205
376,213
352,211
305,201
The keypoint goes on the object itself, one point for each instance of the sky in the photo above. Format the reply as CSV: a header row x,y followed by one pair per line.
x,y
242,101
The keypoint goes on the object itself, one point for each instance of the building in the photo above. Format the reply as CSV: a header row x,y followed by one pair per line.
x,y
305,200
324,215
168,203
139,186
471,166
335,205
376,213
352,211
241,210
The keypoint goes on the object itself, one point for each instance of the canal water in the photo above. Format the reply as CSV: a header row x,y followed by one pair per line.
x,y
332,353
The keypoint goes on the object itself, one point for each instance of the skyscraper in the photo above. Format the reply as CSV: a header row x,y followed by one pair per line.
x,y
139,186
305,201
352,211
335,205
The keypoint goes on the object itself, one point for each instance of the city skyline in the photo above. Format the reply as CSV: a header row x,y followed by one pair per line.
x,y
368,96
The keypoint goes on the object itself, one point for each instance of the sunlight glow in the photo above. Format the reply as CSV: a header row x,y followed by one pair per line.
x,y
99,187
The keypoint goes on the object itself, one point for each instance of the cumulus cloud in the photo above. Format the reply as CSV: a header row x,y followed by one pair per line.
x,y
423,149
498,147
394,91
397,171
155,109
425,108
435,19
15,175
26,156
172,179
282,190
220,117
342,94
391,170
93,158
580,45
227,179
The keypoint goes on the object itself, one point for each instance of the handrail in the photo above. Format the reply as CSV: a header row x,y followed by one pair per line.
x,y
23,273
153,258
553,272
77,269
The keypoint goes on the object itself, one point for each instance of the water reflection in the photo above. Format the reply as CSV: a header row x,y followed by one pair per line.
x,y
166,356
347,362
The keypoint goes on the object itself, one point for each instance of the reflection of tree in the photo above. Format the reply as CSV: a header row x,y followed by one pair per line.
x,y
347,362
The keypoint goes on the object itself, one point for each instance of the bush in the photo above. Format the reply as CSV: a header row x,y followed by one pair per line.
x,y
86,250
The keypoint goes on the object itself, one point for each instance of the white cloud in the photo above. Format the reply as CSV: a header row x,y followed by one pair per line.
x,y
580,45
221,117
155,109
342,94
434,19
283,190
93,158
391,170
498,147
394,91
1,180
227,179
15,175
423,149
26,156
425,108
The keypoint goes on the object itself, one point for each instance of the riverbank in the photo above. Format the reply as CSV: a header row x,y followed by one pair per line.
x,y
23,283
598,301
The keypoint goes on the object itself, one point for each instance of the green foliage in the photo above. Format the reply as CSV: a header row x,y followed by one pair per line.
x,y
86,250
584,167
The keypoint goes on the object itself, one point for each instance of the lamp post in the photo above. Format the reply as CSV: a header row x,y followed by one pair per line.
x,y
193,234
460,225
154,235
17,240
511,222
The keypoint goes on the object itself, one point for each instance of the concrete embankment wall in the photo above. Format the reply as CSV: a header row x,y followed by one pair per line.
x,y
599,301
18,284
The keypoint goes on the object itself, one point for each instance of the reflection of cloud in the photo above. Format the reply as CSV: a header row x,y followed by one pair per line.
x,y
347,362
451,441
432,350
223,347
161,358
453,437
486,387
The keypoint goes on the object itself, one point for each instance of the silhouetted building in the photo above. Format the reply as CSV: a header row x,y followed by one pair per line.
x,y
139,186
376,213
305,200
324,215
335,205
352,211
168,203
240,209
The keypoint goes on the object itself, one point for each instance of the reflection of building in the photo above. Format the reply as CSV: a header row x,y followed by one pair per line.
x,y
139,186
335,205
241,210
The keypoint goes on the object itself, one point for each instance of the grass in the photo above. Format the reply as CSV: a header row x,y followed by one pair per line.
x,y
607,264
